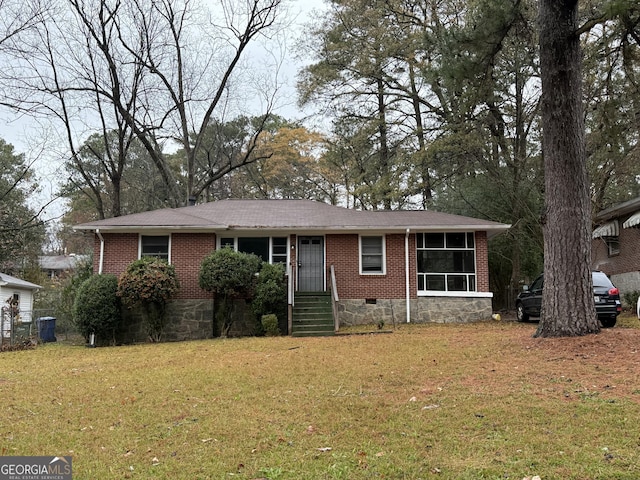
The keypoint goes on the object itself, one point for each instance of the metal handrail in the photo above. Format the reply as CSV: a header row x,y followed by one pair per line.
x,y
334,299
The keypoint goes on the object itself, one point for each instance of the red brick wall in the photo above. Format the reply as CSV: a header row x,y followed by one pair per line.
x,y
120,249
628,260
343,253
482,262
293,258
187,252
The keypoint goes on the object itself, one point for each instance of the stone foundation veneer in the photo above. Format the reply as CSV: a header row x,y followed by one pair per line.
x,y
423,310
193,319
186,320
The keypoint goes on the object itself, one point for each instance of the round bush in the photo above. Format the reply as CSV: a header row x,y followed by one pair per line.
x,y
270,325
229,273
148,280
96,308
149,283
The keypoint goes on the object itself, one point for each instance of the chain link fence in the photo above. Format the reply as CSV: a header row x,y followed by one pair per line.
x,y
17,328
27,328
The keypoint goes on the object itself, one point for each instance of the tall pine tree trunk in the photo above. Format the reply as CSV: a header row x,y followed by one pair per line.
x,y
567,306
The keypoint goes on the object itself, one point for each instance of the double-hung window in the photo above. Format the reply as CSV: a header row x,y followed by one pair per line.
x,y
155,246
446,262
372,255
613,246
279,250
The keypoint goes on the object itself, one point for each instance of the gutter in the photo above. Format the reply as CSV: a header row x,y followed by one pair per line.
x,y
406,269
491,230
101,261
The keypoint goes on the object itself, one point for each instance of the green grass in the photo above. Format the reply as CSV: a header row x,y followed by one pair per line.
x,y
482,401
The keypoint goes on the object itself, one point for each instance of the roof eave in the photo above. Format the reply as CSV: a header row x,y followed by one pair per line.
x,y
492,229
31,286
138,228
619,210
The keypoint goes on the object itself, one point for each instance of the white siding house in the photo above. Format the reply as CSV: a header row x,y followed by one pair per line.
x,y
16,302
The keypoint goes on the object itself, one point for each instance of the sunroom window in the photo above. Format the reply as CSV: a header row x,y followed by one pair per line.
x,y
446,262
269,249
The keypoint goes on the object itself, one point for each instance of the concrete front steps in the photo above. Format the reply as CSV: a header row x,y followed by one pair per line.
x,y
312,315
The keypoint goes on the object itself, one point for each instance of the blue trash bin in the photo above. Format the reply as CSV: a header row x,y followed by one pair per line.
x,y
46,328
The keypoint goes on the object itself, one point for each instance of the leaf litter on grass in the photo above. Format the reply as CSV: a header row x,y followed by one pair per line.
x,y
490,401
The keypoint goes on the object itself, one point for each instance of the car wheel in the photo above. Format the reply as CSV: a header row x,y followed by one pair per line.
x,y
608,322
520,313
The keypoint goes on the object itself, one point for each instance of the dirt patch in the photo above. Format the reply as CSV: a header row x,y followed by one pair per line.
x,y
606,364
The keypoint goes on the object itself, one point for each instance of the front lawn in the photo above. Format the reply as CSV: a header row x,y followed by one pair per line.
x,y
480,401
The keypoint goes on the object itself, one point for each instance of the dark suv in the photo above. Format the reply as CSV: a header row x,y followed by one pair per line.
x,y
606,297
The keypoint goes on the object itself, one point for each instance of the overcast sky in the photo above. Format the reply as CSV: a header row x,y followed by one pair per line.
x,y
27,135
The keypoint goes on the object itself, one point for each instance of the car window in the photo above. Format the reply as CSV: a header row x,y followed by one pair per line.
x,y
537,284
601,280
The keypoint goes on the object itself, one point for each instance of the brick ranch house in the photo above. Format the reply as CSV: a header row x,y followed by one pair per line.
x,y
389,266
616,243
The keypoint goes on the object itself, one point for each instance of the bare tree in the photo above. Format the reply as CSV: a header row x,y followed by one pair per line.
x,y
159,71
191,84
16,18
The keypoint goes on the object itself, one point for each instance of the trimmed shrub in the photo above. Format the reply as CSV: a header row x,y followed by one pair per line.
x,y
271,292
631,299
96,308
70,285
149,283
229,275
270,325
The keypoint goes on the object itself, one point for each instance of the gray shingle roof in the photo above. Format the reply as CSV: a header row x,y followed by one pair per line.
x,y
61,262
8,280
304,215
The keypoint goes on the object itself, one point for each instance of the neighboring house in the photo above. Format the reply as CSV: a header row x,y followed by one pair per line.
x,y
379,266
17,302
57,266
615,248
